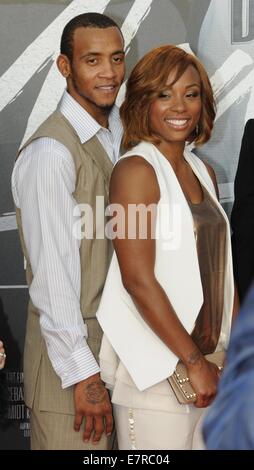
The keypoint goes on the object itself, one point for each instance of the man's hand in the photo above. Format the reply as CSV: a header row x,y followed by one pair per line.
x,y
91,401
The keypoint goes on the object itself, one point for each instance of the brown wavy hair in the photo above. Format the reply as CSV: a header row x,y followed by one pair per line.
x,y
144,85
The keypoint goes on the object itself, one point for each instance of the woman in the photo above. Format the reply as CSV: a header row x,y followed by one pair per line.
x,y
169,292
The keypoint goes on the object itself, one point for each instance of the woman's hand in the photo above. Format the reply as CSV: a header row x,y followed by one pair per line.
x,y
2,355
204,377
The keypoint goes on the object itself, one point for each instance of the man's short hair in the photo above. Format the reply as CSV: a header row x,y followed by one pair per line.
x,y
85,20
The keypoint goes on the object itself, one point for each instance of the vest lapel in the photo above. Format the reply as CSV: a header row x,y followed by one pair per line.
x,y
100,157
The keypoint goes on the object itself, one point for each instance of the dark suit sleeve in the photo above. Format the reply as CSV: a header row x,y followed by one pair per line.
x,y
242,218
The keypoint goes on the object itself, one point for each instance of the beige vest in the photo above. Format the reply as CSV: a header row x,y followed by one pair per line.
x,y
93,170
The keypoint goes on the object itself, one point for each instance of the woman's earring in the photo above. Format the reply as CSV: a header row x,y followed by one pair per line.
x,y
197,129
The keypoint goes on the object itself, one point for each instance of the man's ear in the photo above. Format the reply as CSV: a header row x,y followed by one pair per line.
x,y
63,65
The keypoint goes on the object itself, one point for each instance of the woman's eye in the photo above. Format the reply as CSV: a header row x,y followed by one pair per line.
x,y
192,94
164,94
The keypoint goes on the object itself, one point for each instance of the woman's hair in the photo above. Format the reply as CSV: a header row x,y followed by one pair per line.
x,y
147,80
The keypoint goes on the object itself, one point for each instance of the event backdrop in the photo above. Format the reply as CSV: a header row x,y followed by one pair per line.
x,y
220,32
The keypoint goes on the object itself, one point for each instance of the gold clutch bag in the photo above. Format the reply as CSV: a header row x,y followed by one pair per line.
x,y
180,382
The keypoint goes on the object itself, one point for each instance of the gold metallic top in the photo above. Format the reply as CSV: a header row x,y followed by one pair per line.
x,y
210,234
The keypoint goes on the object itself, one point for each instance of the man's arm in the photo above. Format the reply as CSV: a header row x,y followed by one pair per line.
x,y
43,182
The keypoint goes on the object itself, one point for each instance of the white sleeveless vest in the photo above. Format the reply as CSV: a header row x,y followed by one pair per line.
x,y
147,359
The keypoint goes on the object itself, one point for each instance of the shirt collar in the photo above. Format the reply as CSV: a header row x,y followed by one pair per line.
x,y
83,123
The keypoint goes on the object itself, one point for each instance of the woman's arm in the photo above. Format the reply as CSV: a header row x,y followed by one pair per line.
x,y
134,182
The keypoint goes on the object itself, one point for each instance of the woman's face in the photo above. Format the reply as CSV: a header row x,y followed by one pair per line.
x,y
174,115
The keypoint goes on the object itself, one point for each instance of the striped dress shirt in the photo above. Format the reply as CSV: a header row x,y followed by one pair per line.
x,y
43,182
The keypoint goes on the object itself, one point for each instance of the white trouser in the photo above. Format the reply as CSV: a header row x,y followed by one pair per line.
x,y
155,429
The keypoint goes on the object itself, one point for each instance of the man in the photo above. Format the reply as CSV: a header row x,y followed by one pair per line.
x,y
229,424
68,161
242,219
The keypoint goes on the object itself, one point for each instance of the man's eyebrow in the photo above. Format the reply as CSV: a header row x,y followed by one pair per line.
x,y
121,51
94,53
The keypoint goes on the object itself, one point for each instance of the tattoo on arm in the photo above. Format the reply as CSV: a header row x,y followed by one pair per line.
x,y
194,357
95,393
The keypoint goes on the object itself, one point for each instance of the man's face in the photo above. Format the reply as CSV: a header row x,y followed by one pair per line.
x,y
97,68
